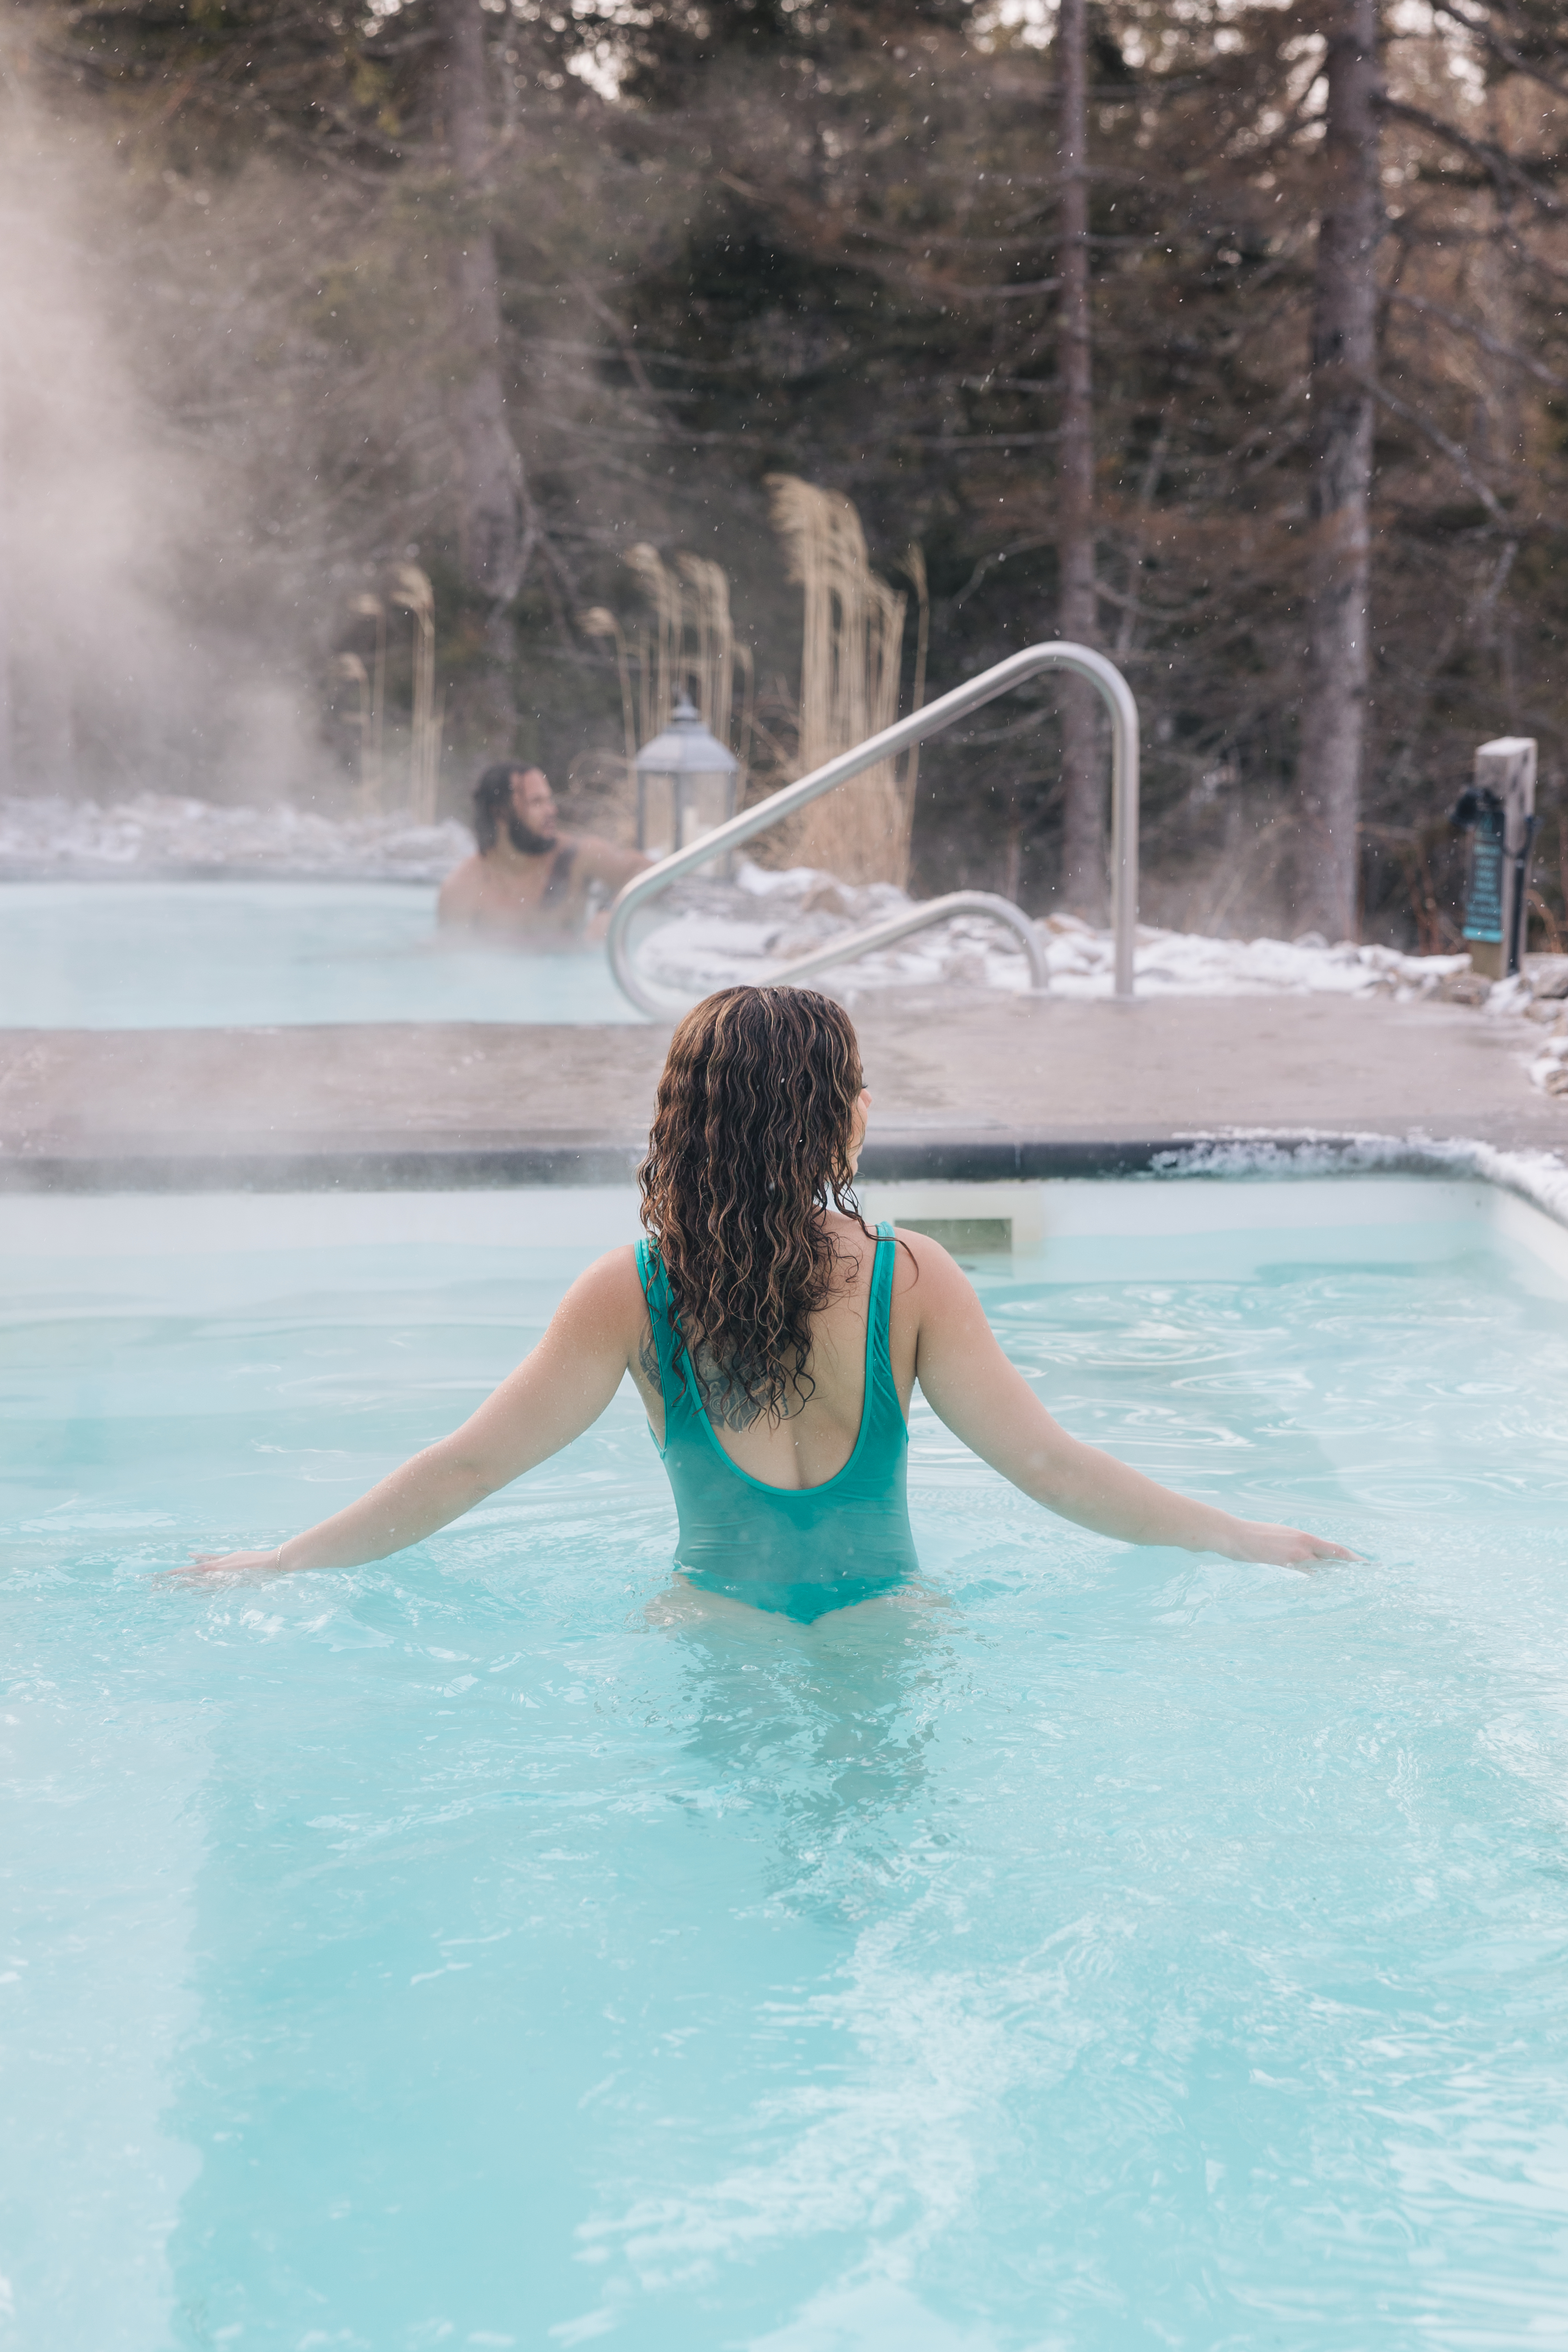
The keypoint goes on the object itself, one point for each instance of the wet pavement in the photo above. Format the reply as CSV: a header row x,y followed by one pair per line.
x,y
321,1105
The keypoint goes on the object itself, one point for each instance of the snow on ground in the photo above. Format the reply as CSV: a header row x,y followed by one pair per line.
x,y
720,934
161,833
1549,1067
716,931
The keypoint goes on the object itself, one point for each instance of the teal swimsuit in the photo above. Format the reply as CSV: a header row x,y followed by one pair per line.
x,y
799,1551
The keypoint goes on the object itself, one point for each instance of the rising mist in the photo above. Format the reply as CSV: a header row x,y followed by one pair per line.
x,y
154,634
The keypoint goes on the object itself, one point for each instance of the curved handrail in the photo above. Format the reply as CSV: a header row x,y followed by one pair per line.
x,y
1114,692
847,945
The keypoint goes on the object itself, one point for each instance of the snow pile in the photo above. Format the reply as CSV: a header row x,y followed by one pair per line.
x,y
1540,993
1186,963
711,933
1549,1066
158,833
720,933
1549,1071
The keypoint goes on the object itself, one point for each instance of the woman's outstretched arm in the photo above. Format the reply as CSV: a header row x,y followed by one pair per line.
x,y
987,1402
556,1392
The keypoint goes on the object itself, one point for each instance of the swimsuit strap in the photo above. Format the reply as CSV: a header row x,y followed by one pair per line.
x,y
880,1307
677,1388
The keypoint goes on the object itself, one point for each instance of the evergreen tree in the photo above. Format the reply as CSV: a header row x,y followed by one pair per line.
x,y
521,290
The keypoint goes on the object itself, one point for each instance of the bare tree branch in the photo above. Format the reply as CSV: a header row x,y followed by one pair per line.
x,y
1503,169
1478,335
1452,450
1511,57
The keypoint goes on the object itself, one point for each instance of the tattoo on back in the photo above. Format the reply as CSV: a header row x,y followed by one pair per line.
x,y
726,1400
726,1397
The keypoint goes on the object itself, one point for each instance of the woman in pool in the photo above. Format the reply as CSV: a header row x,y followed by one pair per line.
x,y
774,1340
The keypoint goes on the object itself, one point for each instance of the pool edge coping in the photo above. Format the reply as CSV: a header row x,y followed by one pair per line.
x,y
1537,1176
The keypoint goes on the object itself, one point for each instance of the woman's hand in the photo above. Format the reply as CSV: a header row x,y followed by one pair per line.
x,y
232,1562
1279,1546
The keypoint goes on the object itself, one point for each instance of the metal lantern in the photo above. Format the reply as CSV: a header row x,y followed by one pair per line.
x,y
686,784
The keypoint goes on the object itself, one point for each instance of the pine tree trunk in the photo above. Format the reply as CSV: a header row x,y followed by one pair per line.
x,y
489,489
1344,320
1083,844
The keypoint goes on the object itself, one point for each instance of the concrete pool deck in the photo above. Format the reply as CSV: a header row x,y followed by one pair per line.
x,y
959,1084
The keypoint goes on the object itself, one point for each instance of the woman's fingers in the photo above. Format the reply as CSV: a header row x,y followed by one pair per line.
x,y
209,1562
1284,1546
1320,1548
1293,1548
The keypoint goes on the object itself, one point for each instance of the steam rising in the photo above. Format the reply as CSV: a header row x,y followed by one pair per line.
x,y
142,643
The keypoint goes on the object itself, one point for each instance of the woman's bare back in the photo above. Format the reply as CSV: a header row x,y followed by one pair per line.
x,y
816,1436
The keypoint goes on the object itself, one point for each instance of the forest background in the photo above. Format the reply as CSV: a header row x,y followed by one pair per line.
x,y
299,295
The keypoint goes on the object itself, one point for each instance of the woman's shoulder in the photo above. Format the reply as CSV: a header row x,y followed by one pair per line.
x,y
613,1285
920,1249
916,1256
922,1263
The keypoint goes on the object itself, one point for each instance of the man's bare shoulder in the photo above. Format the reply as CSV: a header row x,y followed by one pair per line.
x,y
463,886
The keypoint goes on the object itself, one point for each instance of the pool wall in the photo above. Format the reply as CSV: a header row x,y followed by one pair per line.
x,y
1126,1212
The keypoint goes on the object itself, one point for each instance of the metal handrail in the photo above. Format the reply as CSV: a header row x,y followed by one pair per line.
x,y
845,946
1114,692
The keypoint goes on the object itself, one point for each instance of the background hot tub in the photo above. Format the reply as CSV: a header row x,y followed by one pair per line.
x,y
221,955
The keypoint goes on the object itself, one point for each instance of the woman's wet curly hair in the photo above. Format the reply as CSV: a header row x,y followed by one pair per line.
x,y
750,1143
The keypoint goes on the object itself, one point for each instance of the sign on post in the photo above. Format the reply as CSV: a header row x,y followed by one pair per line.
x,y
1498,814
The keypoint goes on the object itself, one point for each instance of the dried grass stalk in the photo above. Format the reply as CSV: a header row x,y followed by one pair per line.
x,y
853,641
692,648
660,661
714,651
600,622
411,588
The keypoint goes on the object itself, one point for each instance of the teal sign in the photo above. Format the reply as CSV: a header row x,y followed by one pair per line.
x,y
1483,899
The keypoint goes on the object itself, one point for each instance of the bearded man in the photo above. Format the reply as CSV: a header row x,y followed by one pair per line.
x,y
528,881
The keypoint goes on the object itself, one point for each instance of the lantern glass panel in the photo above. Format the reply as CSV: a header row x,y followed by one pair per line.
x,y
705,804
657,827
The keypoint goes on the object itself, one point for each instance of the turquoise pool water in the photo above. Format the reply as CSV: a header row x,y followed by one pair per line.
x,y
217,955
1094,1949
